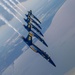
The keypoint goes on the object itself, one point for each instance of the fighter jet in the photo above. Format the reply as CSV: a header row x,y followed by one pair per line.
x,y
30,13
28,41
29,26
29,19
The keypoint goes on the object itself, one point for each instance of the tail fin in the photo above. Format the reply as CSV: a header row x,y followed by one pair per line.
x,y
30,12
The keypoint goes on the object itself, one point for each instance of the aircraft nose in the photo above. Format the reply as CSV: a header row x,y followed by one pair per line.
x,y
52,62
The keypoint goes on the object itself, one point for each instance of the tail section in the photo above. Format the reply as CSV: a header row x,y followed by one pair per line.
x,y
30,12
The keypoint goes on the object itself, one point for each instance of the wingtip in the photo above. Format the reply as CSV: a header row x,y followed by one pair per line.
x,y
54,65
40,22
46,45
24,18
42,35
40,27
23,24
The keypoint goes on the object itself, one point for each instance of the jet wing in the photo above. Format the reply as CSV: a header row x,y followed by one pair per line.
x,y
42,53
36,18
36,23
39,38
37,29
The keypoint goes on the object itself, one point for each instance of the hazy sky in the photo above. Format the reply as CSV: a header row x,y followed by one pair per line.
x,y
60,37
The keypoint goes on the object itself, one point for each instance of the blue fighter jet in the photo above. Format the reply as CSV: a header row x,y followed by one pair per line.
x,y
30,13
28,41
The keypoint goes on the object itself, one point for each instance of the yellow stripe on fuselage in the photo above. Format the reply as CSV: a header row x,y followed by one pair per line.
x,y
30,34
33,49
29,38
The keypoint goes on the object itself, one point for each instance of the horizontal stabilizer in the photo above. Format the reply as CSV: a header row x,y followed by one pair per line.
x,y
28,29
26,20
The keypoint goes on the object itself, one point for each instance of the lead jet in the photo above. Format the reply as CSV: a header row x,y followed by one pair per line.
x,y
28,41
30,25
29,19
30,13
31,32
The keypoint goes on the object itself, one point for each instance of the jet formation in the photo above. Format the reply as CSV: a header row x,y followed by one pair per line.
x,y
33,23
